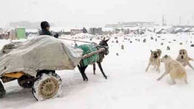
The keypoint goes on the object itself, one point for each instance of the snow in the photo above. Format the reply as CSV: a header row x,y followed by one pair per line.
x,y
127,86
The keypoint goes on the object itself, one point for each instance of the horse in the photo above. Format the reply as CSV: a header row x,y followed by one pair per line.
x,y
103,44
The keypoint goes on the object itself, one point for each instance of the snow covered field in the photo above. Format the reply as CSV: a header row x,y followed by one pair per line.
x,y
128,85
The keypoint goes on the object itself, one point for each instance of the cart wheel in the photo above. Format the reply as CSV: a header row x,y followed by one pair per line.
x,y
2,90
26,81
47,86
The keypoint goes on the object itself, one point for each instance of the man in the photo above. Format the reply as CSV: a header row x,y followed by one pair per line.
x,y
45,31
45,28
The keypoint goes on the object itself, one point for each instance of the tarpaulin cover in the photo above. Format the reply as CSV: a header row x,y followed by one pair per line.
x,y
40,53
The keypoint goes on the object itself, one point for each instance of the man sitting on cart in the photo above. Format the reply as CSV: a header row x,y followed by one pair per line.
x,y
45,29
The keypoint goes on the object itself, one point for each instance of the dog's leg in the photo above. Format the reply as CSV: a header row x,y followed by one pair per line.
x,y
148,67
158,67
155,67
173,81
172,77
190,59
100,66
94,68
164,74
190,65
185,79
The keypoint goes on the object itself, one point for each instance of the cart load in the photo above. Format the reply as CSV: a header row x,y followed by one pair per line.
x,y
42,52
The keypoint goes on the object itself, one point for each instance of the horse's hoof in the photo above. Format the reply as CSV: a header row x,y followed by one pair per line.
x,y
86,79
158,79
106,77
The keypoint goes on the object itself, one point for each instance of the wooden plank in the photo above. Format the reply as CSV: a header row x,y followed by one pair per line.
x,y
93,53
14,74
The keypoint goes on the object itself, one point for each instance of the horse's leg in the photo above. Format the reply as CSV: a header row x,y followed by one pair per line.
x,y
94,68
100,66
84,74
80,70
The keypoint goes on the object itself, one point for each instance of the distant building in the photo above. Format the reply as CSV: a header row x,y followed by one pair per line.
x,y
96,31
84,30
20,33
130,24
76,31
107,31
26,24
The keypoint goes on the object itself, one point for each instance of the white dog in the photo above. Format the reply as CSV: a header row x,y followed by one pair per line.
x,y
174,68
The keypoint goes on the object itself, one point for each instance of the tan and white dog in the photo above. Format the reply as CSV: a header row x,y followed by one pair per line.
x,y
184,59
174,69
155,60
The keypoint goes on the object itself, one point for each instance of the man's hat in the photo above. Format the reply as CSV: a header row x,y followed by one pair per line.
x,y
44,24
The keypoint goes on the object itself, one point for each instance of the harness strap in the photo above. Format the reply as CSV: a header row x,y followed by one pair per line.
x,y
77,40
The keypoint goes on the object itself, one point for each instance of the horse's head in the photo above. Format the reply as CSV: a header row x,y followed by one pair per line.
x,y
104,44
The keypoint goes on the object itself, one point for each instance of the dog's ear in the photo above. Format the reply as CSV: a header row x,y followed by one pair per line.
x,y
151,51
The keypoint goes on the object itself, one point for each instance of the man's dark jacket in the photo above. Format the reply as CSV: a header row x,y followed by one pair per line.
x,y
45,32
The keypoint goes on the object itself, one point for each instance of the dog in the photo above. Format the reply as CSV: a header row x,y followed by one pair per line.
x,y
174,68
184,59
155,60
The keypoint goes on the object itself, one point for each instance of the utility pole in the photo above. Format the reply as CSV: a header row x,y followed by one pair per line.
x,y
192,20
163,21
180,20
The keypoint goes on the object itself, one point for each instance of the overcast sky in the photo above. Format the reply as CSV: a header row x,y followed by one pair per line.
x,y
95,12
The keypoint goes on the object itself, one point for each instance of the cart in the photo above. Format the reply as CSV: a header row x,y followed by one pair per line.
x,y
33,63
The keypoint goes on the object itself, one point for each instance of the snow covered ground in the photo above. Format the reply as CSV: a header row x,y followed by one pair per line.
x,y
127,86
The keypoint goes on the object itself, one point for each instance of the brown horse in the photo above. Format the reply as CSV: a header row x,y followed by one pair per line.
x,y
82,68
